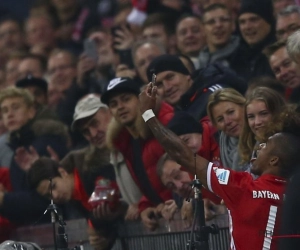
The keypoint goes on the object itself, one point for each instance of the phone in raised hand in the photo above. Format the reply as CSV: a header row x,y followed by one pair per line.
x,y
153,79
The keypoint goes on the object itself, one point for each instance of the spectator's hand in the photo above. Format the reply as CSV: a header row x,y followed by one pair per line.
x,y
53,155
96,240
123,39
25,158
148,217
104,212
132,212
123,71
209,209
187,213
148,98
85,65
169,210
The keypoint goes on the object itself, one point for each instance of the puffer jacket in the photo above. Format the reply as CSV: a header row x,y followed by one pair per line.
x,y
119,138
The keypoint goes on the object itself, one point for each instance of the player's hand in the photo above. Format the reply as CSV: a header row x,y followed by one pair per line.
x,y
169,210
132,212
148,98
148,217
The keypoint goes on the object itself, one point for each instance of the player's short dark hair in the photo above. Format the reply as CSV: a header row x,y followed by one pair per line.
x,y
287,148
42,169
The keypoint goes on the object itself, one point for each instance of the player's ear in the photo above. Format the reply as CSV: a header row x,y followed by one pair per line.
x,y
274,161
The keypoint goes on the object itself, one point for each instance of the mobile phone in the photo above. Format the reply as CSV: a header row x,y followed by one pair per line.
x,y
90,49
153,79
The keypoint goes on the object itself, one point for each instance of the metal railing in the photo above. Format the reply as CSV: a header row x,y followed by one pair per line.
x,y
132,235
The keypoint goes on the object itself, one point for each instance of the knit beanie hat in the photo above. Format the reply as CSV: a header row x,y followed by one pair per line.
x,y
183,123
263,8
165,63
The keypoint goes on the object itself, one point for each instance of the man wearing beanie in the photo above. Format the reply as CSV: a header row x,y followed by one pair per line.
x,y
129,134
190,93
257,26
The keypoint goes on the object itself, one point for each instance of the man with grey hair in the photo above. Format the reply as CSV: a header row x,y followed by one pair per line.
x,y
293,46
288,21
143,53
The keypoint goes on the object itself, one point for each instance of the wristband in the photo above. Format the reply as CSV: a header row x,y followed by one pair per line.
x,y
148,114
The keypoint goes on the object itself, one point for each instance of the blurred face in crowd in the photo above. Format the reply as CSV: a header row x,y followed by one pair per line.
x,y
254,28
285,69
218,27
62,187
176,180
158,33
144,55
30,66
281,4
11,71
10,37
124,108
258,116
228,117
15,113
172,85
40,31
61,70
94,128
193,141
190,36
287,25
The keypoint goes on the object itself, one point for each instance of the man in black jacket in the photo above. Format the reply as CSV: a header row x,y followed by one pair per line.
x,y
190,92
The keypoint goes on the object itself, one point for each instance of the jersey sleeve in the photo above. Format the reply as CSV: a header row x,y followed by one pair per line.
x,y
228,184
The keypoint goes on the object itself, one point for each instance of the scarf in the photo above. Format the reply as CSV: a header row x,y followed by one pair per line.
x,y
229,153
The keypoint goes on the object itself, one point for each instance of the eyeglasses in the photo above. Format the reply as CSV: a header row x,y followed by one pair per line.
x,y
213,21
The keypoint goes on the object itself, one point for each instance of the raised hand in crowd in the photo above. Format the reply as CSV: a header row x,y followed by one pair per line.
x,y
123,38
105,212
169,209
149,217
132,212
25,158
187,213
85,65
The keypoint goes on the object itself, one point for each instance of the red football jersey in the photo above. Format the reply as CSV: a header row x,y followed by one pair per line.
x,y
254,206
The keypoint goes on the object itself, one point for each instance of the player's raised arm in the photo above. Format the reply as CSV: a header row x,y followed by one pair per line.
x,y
169,141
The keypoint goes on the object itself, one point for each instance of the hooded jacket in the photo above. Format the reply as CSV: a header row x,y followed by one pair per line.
x,y
205,82
119,137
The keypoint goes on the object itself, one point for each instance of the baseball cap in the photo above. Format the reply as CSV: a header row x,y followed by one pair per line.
x,y
32,81
86,107
119,85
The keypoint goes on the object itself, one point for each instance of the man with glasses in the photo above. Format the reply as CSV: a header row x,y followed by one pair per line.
x,y
288,21
218,26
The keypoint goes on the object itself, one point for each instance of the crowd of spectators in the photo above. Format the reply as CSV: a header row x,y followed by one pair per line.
x,y
226,75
